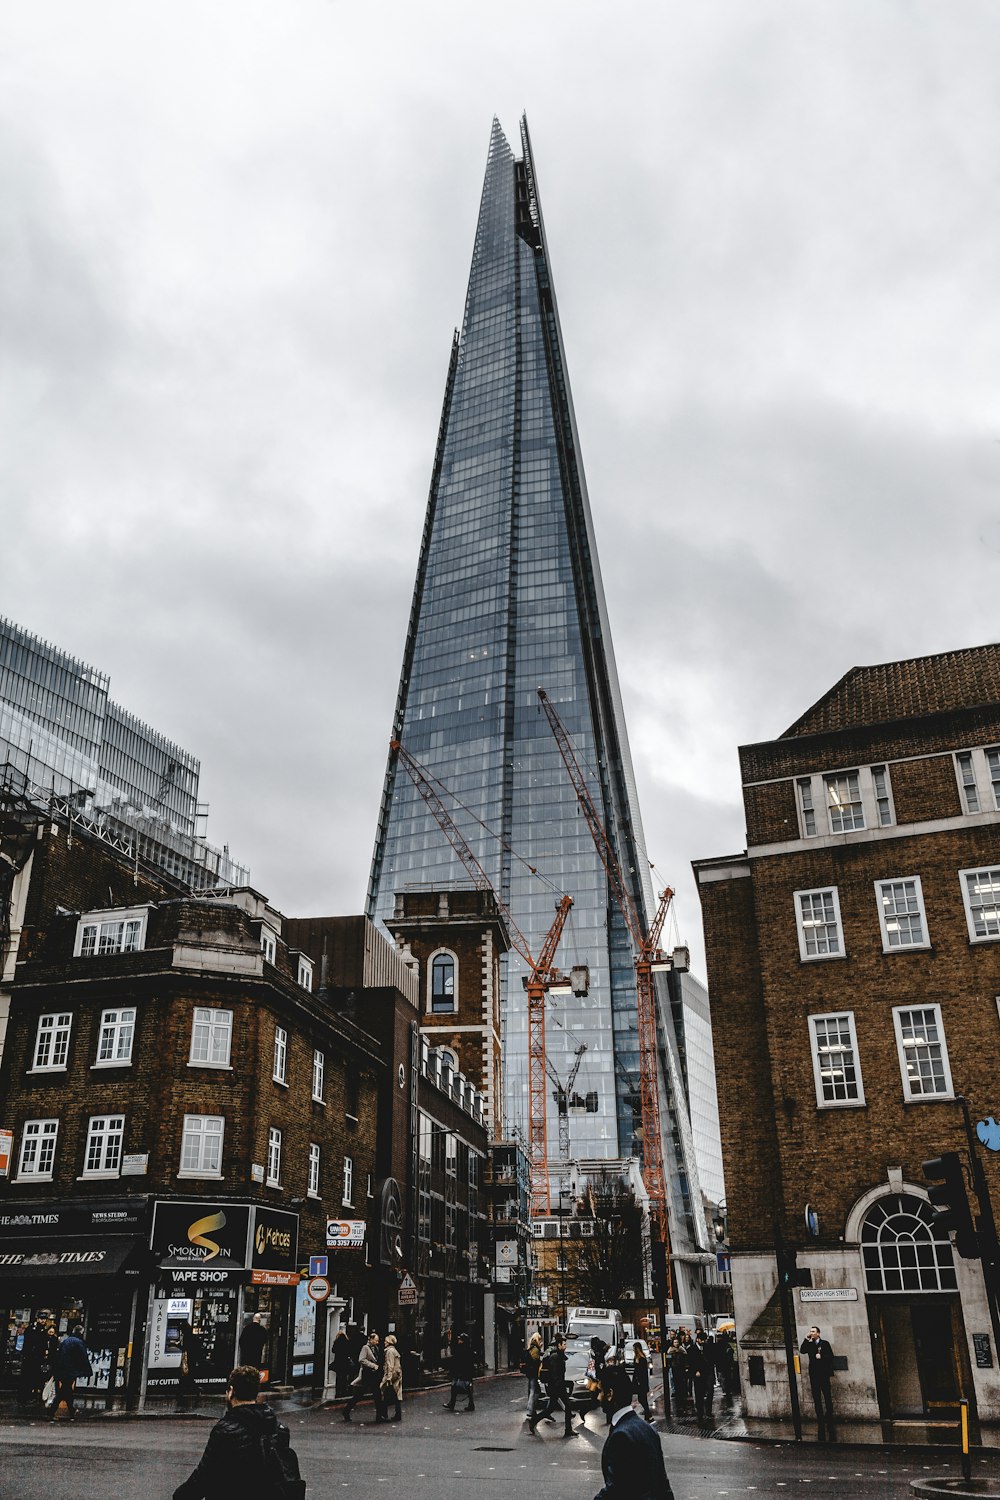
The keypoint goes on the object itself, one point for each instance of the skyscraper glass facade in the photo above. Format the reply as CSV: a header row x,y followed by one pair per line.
x,y
62,734
508,598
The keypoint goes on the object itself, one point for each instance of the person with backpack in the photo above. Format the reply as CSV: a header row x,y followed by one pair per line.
x,y
553,1372
248,1451
462,1371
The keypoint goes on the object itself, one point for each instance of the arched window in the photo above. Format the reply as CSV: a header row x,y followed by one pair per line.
x,y
899,1248
443,983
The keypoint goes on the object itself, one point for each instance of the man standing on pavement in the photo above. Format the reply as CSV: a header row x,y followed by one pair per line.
x,y
253,1342
820,1355
72,1363
701,1368
632,1459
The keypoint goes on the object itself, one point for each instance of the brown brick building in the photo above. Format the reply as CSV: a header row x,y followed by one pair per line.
x,y
854,962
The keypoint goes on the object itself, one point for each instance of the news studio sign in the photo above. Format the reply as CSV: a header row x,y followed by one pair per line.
x,y
345,1234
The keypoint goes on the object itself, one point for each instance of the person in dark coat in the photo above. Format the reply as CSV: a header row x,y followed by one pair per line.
x,y
701,1369
462,1371
232,1464
640,1380
253,1342
554,1362
820,1354
35,1364
632,1459
342,1364
72,1363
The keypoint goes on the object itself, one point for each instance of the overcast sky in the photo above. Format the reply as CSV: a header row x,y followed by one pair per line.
x,y
234,241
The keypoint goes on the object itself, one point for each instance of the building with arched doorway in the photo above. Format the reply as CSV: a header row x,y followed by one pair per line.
x,y
853,956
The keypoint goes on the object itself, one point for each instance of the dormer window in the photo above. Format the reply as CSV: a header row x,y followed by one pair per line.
x,y
105,932
305,972
268,944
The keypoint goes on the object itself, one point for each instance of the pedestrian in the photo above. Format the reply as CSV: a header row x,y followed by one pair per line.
x,y
462,1371
72,1363
392,1379
35,1363
253,1342
701,1370
640,1379
190,1359
342,1364
553,1372
728,1361
248,1452
632,1458
529,1367
368,1381
600,1350
820,1354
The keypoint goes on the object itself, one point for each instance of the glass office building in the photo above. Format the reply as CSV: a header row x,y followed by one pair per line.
x,y
508,598
62,736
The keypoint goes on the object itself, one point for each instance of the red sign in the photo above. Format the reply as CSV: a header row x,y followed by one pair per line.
x,y
6,1151
274,1278
319,1288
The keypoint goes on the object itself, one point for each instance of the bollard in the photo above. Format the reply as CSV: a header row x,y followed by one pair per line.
x,y
963,1417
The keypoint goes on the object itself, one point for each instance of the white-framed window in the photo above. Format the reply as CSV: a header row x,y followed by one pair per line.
x,y
843,801
101,932
442,995
923,1053
115,1037
103,1154
280,1073
978,773
807,808
201,1146
981,895
319,1070
274,1157
817,915
836,1065
305,974
268,944
901,914
52,1042
966,771
993,769
38,1149
314,1160
211,1037
884,812
348,1195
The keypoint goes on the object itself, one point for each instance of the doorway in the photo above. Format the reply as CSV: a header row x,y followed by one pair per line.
x,y
921,1357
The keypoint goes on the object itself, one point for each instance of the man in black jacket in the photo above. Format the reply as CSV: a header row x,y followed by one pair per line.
x,y
820,1354
632,1460
556,1387
701,1368
239,1455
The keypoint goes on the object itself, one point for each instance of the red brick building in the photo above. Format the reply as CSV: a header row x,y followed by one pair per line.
x,y
853,959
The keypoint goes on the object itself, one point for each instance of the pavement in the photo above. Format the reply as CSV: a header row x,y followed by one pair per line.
x,y
435,1454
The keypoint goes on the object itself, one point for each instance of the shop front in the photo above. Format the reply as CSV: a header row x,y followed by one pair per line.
x,y
69,1264
218,1264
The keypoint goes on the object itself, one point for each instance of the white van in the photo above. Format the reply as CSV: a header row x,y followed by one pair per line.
x,y
582,1325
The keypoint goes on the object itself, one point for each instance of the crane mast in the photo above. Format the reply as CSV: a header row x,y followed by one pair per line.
x,y
542,976
648,956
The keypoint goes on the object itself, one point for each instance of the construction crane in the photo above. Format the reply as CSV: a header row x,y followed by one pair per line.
x,y
542,976
562,1097
648,957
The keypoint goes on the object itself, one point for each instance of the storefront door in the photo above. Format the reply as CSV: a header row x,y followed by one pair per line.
x,y
922,1357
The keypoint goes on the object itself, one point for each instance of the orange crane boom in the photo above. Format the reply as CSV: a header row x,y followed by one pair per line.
x,y
646,946
542,975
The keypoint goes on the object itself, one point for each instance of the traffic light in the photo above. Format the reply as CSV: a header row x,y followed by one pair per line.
x,y
950,1202
788,1268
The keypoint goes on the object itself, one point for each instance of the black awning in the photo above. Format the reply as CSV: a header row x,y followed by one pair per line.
x,y
76,1255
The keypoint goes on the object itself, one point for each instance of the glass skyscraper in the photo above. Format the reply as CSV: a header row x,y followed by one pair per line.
x,y
508,598
62,736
